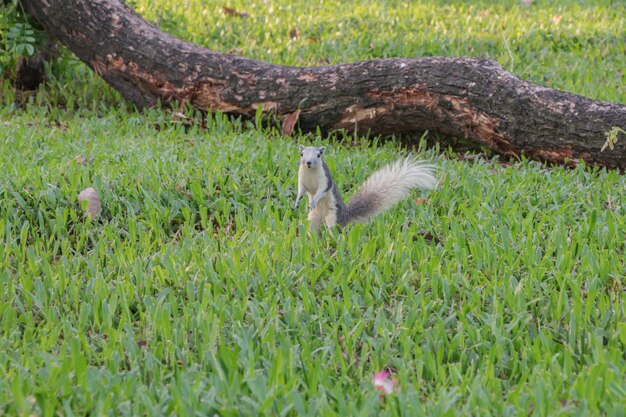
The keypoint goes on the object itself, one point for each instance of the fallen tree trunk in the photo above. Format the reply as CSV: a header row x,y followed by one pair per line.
x,y
461,97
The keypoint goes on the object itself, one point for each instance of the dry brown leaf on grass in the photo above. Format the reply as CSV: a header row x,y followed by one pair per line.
x,y
290,122
93,206
181,189
232,12
609,205
80,159
427,236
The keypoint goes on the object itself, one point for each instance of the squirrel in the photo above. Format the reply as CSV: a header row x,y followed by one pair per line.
x,y
380,192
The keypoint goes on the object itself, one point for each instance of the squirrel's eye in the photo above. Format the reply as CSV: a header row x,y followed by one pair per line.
x,y
301,154
319,155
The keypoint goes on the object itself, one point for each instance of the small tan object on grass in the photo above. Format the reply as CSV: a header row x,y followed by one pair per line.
x,y
94,207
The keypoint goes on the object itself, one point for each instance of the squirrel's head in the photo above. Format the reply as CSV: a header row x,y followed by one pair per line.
x,y
311,156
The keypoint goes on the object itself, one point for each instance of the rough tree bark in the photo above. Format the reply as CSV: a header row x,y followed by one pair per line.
x,y
460,97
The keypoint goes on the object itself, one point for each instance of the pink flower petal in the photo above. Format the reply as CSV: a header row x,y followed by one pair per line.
x,y
380,377
384,382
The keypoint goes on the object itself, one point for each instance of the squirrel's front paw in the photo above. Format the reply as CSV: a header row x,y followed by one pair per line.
x,y
295,206
312,205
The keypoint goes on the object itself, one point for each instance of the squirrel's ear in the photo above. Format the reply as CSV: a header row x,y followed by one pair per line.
x,y
322,149
301,148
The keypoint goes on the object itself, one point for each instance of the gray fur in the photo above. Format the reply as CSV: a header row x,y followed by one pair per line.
x,y
331,181
361,205
342,212
343,216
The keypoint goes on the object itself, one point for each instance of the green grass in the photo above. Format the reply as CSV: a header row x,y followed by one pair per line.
x,y
199,292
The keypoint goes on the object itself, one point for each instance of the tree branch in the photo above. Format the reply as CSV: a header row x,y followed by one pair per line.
x,y
462,97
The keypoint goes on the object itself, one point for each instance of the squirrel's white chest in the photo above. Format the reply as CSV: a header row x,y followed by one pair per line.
x,y
318,186
312,179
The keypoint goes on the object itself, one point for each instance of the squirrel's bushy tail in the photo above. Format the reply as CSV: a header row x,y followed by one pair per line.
x,y
388,186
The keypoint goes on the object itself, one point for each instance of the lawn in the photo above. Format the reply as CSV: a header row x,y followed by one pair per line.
x,y
199,292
